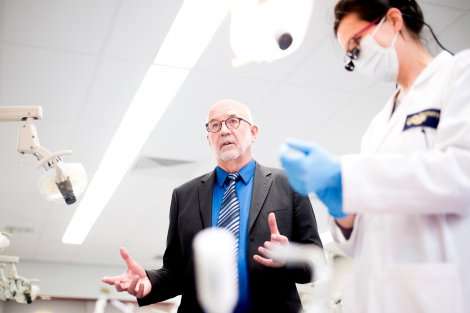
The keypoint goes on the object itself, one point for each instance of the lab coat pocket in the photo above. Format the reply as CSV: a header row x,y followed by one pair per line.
x,y
416,139
422,288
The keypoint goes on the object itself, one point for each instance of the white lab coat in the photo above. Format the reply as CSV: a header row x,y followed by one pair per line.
x,y
410,190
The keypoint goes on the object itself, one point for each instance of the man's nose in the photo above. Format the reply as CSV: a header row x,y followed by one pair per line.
x,y
224,129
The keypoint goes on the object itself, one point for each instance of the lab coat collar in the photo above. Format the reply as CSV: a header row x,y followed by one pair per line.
x,y
442,59
387,122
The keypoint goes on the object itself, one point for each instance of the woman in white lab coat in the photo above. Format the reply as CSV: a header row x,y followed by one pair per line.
x,y
402,206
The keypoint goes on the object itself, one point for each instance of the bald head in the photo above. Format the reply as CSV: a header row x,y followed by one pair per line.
x,y
227,107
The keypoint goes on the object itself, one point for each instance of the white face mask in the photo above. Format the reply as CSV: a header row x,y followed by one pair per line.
x,y
376,61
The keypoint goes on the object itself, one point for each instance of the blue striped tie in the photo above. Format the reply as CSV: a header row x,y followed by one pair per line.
x,y
229,214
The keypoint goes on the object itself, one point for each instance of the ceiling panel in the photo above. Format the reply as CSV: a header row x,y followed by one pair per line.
x,y
456,35
325,71
111,90
140,28
26,210
79,26
138,214
440,17
454,4
31,76
343,131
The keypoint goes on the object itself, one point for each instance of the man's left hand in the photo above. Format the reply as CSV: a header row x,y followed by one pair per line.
x,y
276,239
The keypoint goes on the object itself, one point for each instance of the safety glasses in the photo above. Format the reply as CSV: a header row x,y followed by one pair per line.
x,y
353,46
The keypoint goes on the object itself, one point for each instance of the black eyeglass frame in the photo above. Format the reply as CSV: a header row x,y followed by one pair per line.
x,y
240,119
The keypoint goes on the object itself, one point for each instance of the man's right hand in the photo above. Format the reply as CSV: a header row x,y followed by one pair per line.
x,y
134,280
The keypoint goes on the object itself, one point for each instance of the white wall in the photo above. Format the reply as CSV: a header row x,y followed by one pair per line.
x,y
71,280
70,306
75,282
42,306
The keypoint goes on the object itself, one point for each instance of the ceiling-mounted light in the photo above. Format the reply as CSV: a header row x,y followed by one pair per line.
x,y
60,180
67,177
267,30
13,286
4,241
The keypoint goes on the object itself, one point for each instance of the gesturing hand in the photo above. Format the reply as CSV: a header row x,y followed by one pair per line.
x,y
134,280
276,239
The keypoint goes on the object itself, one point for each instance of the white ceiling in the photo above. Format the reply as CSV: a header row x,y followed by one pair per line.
x,y
83,61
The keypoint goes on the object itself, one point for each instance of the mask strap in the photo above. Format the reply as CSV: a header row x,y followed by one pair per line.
x,y
394,39
378,26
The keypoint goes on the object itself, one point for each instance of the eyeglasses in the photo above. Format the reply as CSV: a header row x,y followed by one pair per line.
x,y
352,47
233,122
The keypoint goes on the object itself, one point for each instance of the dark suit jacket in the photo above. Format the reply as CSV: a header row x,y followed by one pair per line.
x,y
272,290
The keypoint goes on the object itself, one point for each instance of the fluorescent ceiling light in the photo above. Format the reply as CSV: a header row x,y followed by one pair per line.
x,y
189,35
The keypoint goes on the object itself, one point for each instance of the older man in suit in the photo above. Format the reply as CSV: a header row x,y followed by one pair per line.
x,y
254,202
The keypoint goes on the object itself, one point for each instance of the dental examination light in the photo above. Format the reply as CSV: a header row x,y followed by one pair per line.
x,y
216,270
267,30
4,241
13,286
61,180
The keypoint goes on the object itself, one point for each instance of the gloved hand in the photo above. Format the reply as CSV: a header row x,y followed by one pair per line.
x,y
309,168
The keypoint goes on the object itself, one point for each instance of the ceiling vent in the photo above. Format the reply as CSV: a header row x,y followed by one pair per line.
x,y
13,230
155,162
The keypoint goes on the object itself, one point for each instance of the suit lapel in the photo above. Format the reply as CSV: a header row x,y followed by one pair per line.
x,y
205,199
262,183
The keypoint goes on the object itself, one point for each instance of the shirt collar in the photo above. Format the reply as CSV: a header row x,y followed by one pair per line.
x,y
246,173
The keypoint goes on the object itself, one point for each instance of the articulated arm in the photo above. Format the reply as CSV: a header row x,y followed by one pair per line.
x,y
28,143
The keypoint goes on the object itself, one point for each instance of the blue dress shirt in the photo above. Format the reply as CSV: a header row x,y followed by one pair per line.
x,y
244,189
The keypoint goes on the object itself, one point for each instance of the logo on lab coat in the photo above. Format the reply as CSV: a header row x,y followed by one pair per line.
x,y
427,118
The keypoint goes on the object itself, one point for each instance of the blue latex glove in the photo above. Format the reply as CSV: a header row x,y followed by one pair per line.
x,y
309,168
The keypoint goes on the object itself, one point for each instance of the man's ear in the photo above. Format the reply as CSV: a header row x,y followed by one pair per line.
x,y
254,132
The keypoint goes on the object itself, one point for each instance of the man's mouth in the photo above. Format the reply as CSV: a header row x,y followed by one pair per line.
x,y
226,144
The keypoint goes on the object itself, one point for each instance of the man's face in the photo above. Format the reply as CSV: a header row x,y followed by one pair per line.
x,y
231,143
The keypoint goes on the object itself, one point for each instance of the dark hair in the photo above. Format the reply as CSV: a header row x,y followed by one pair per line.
x,y
374,10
